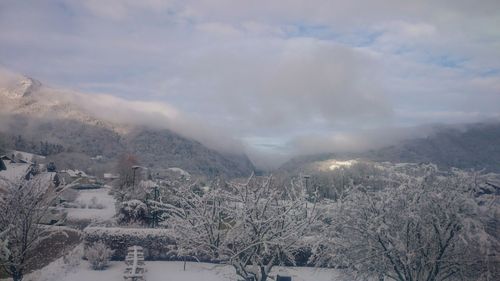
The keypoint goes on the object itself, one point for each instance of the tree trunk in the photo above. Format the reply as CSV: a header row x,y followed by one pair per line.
x,y
17,276
263,274
15,273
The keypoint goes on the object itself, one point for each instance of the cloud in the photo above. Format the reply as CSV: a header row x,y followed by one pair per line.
x,y
356,140
122,113
268,72
282,84
159,115
121,9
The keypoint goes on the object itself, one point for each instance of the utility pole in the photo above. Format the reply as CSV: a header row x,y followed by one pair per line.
x,y
306,178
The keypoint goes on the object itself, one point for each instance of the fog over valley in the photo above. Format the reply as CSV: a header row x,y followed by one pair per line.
x,y
223,140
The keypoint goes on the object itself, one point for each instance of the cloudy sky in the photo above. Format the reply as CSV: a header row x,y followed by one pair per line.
x,y
282,77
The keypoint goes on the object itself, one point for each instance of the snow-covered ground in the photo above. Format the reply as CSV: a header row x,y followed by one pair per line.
x,y
170,271
85,198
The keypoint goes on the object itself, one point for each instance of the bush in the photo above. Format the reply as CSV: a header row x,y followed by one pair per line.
x,y
98,255
94,204
133,211
158,243
72,259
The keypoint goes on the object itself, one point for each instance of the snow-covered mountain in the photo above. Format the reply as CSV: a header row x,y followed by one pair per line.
x,y
472,146
56,122
29,97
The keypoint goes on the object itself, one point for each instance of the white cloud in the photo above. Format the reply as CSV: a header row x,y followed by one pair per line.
x,y
268,69
121,9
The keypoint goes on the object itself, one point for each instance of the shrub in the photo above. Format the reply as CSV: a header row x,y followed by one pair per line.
x,y
98,255
158,243
72,259
133,211
94,204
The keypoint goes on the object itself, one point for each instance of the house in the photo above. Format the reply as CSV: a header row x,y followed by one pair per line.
x,y
25,157
11,159
15,172
109,177
5,158
75,174
79,179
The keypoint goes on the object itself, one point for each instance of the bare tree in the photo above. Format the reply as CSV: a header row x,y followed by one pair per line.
x,y
129,177
252,226
23,206
425,229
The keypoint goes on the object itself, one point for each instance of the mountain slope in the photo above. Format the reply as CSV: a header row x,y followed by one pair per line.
x,y
474,146
477,146
42,120
162,147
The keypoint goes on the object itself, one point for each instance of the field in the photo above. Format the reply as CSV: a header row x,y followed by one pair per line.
x,y
170,271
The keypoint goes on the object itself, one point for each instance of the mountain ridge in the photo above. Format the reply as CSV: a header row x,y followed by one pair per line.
x,y
471,146
38,119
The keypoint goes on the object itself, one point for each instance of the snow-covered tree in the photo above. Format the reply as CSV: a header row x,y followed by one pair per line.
x,y
98,255
200,221
426,228
23,206
252,226
132,212
270,226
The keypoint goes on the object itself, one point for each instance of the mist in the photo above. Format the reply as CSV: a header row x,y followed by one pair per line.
x,y
272,80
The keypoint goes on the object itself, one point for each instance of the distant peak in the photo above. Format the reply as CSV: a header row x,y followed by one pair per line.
x,y
20,87
26,86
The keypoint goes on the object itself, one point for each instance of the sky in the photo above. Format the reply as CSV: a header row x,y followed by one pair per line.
x,y
279,77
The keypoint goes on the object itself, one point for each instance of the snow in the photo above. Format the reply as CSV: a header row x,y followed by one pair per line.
x,y
335,164
110,176
85,198
26,156
75,173
170,271
180,171
136,232
15,171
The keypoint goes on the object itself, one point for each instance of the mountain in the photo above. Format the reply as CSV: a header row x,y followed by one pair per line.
x,y
49,122
472,146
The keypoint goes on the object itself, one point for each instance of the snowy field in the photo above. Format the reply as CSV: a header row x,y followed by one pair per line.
x,y
90,198
170,271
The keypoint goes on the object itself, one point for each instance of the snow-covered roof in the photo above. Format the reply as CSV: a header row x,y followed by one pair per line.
x,y
110,176
46,176
26,156
15,171
75,173
180,171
